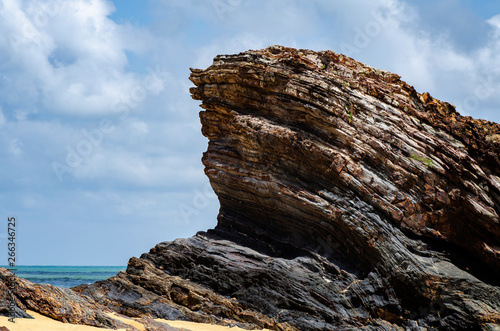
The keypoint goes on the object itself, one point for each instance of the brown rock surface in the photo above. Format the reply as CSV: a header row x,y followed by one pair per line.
x,y
319,153
147,290
58,303
325,120
348,201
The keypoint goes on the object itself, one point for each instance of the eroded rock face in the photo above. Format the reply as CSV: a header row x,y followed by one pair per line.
x,y
61,304
348,201
146,290
66,305
315,154
291,128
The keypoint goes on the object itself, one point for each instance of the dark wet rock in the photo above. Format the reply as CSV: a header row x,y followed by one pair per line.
x,y
146,290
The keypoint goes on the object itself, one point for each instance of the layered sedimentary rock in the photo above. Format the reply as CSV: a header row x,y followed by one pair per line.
x,y
317,155
19,295
58,303
347,201
147,290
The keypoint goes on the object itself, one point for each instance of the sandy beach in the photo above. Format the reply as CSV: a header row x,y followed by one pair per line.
x,y
200,327
43,323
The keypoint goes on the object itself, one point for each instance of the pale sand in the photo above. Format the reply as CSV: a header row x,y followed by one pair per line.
x,y
43,323
201,327
128,321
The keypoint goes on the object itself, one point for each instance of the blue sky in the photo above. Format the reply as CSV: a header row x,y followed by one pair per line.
x,y
100,141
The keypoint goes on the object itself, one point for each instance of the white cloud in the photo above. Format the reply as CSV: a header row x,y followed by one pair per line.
x,y
2,118
73,53
138,128
15,146
125,168
495,22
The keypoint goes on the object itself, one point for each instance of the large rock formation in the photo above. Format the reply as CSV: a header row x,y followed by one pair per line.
x,y
347,201
392,193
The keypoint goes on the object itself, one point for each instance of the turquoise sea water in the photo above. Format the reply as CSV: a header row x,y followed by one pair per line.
x,y
66,276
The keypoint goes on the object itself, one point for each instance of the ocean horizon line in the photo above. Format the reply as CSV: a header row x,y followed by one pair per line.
x,y
65,275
